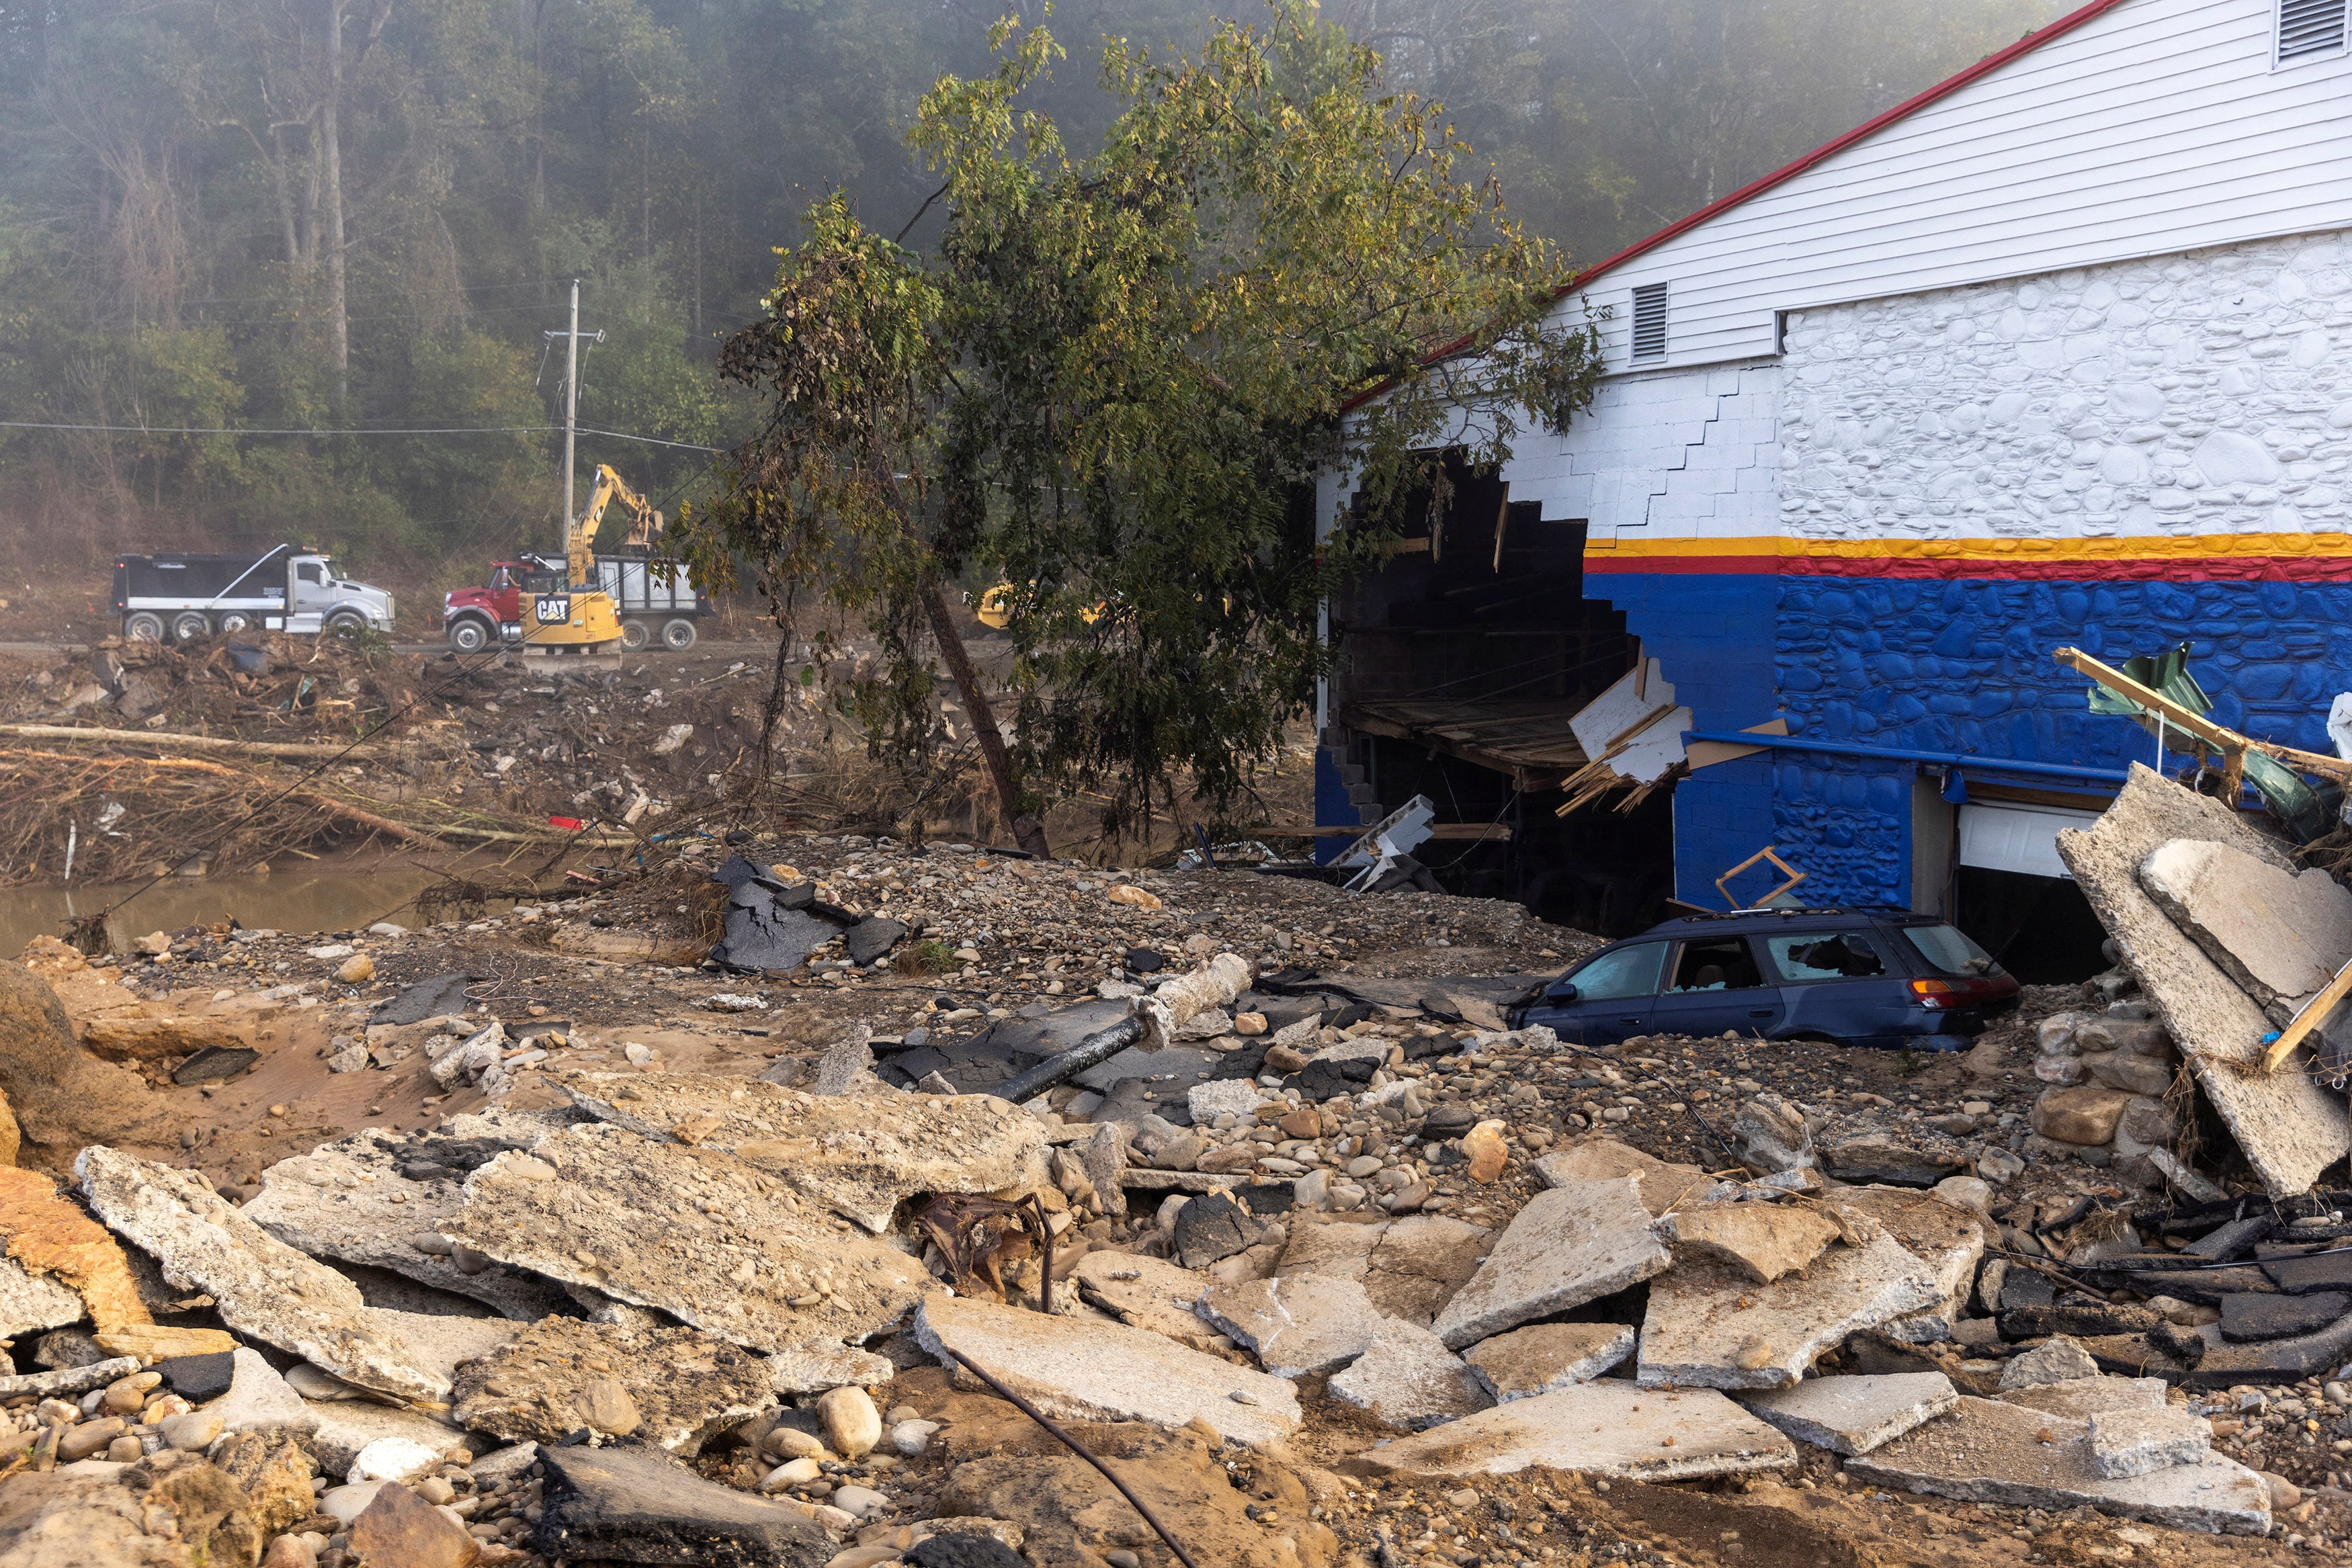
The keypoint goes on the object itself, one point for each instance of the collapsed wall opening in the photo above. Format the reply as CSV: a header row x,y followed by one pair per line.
x,y
1462,660
1989,864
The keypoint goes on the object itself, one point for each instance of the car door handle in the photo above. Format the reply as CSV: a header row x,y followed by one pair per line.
x,y
1761,1012
1630,1017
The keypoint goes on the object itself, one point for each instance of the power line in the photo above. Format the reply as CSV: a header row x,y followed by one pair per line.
x,y
450,430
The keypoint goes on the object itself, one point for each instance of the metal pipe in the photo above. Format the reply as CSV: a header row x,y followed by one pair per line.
x,y
1092,1051
1895,754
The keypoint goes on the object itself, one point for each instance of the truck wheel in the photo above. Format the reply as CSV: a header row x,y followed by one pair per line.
x,y
189,626
235,621
345,624
677,636
145,627
469,636
635,634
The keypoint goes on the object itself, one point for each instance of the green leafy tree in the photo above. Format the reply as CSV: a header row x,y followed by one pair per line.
x,y
1112,386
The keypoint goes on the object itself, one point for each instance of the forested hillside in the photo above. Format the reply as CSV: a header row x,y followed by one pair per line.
x,y
360,215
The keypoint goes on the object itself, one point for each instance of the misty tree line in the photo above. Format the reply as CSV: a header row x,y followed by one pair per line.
x,y
262,214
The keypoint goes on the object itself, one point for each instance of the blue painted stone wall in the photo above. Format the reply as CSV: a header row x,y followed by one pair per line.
x,y
1933,664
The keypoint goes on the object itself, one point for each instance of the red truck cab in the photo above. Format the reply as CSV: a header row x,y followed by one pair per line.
x,y
474,618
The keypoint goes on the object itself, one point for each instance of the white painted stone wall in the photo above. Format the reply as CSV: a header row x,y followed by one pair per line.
x,y
2200,393
1668,454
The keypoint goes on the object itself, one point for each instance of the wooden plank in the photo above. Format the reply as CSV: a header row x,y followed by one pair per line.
x,y
2224,740
2309,1018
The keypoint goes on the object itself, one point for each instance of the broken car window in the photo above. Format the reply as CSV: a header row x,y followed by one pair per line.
x,y
1722,965
1845,955
1628,972
1949,950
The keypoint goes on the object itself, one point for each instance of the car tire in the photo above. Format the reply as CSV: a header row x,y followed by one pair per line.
x,y
190,624
635,634
678,635
145,627
469,635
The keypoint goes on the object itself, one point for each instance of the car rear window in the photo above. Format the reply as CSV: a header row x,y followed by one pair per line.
x,y
1948,950
1826,956
1628,972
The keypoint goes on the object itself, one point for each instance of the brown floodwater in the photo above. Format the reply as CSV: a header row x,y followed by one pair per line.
x,y
339,895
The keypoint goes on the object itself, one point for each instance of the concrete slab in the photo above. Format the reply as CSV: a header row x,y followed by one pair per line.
x,y
1300,1326
1707,1327
1148,1294
1608,1429
1408,1267
2057,1359
1573,1244
2079,1398
1855,1415
1761,1242
858,1156
1543,1358
2289,1127
2142,1442
1406,1378
1988,1451
30,1302
1093,1370
1604,1159
1947,1236
2281,935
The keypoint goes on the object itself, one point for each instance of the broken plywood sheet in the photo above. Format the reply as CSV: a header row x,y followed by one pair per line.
x,y
2287,1125
860,1156
349,1200
1987,1451
1608,1429
703,1235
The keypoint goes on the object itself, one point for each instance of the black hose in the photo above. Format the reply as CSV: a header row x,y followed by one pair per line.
x,y
1092,1051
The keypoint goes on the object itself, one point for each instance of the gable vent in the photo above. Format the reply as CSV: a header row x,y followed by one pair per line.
x,y
2310,28
1650,313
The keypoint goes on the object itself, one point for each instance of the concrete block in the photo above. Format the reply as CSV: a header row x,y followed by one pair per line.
x,y
1573,1244
2138,1442
1608,1429
1855,1415
2280,934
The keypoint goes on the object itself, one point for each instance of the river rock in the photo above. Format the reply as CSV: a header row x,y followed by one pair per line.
x,y
1573,1244
378,1199
1406,1378
1543,1358
260,1286
1988,1451
2084,1117
345,1430
859,1158
1298,1326
681,1386
1608,1429
1770,1136
1708,1327
400,1528
719,1244
1096,1370
636,1505
274,1473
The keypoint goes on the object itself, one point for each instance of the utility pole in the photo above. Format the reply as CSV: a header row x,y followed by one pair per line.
x,y
572,401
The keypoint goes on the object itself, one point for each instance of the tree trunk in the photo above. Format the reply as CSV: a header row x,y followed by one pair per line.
x,y
1027,830
330,149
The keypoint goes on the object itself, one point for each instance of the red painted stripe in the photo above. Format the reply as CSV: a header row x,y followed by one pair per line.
x,y
2144,568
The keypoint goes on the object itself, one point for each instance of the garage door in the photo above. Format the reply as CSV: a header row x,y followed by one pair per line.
x,y
2017,837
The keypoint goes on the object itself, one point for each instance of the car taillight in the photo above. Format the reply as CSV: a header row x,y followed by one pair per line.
x,y
1938,993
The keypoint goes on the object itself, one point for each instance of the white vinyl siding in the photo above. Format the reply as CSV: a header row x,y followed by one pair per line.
x,y
2157,128
2309,27
1650,322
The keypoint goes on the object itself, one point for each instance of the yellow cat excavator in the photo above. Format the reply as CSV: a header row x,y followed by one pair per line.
x,y
578,615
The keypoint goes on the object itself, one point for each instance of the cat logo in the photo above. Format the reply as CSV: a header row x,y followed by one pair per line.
x,y
555,610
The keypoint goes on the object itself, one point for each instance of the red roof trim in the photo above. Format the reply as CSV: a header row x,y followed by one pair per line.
x,y
1755,188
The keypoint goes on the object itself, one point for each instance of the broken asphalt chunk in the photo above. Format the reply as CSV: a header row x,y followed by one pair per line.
x,y
1575,1243
635,1504
712,1239
260,1286
860,1156
1855,1415
1090,1370
427,999
1608,1429
212,1064
1988,1451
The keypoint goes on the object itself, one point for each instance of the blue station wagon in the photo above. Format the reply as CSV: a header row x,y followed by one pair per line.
x,y
1870,975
